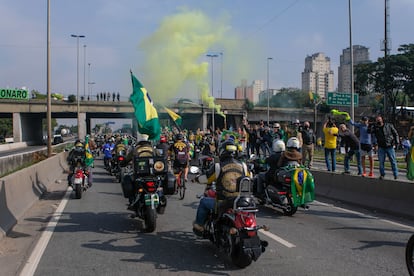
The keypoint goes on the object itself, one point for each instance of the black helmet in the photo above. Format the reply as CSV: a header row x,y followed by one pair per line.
x,y
179,136
246,201
227,148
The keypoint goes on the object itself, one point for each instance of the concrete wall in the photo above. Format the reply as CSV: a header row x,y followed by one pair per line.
x,y
389,196
20,190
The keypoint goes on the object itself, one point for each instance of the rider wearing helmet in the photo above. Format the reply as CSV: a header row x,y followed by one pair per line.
x,y
292,155
278,147
163,146
180,152
77,154
226,174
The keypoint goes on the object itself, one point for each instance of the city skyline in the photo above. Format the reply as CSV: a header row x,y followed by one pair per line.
x,y
137,36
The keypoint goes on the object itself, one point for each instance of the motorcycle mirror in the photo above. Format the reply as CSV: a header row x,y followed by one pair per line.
x,y
194,170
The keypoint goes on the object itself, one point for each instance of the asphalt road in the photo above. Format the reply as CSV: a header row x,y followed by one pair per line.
x,y
96,236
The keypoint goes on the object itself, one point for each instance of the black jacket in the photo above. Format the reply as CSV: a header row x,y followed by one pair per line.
x,y
387,135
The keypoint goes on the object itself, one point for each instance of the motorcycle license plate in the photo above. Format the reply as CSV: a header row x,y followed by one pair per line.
x,y
77,181
148,199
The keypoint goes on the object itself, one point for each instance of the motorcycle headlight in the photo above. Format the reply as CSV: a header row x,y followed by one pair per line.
x,y
159,166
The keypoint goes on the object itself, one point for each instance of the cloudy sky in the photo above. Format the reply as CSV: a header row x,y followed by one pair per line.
x,y
165,42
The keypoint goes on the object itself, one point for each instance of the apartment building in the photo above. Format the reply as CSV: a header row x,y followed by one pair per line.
x,y
318,76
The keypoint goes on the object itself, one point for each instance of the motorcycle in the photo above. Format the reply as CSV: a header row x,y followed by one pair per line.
x,y
292,187
234,231
116,168
79,181
409,255
147,191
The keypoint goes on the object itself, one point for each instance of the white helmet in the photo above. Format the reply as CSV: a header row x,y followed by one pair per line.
x,y
278,145
293,142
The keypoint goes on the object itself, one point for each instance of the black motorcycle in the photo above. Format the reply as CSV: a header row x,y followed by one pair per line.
x,y
409,255
116,168
235,230
146,189
291,187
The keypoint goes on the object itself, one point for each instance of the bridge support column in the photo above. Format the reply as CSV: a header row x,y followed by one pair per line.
x,y
204,120
82,127
17,128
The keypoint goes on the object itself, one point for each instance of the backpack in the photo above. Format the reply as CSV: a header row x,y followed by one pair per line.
x,y
230,173
181,152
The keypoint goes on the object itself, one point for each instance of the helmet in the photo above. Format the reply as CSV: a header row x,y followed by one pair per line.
x,y
293,142
179,136
278,145
227,148
163,139
295,122
246,201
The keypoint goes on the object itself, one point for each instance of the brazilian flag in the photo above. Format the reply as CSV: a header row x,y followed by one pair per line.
x,y
302,186
88,154
410,164
145,112
175,117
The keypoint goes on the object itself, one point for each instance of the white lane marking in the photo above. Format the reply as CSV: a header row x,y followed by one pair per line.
x,y
34,259
277,238
366,216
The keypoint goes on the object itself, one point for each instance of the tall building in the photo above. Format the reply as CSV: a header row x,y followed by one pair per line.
x,y
318,76
361,55
250,92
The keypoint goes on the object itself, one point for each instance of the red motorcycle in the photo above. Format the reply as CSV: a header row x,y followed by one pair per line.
x,y
235,230
80,180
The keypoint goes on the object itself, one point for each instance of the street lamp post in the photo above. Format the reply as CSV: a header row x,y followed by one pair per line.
x,y
77,75
268,92
84,71
221,77
49,100
212,90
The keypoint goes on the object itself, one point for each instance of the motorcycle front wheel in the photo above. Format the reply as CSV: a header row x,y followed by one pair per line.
x,y
150,218
409,255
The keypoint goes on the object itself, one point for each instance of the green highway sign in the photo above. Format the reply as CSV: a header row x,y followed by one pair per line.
x,y
344,99
16,94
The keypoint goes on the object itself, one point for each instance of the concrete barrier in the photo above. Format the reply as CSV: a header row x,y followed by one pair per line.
x,y
20,190
390,196
11,146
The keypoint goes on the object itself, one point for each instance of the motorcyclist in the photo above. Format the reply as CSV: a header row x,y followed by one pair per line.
x,y
278,147
107,151
76,154
163,146
226,173
292,155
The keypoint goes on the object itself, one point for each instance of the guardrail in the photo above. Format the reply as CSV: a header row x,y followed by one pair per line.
x,y
20,190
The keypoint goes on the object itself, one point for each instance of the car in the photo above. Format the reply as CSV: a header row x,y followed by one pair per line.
x,y
57,139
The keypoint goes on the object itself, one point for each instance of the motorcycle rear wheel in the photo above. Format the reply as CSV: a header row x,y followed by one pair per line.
x,y
292,210
150,218
409,255
78,191
239,258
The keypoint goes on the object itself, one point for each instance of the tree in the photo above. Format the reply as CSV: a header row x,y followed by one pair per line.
x,y
6,127
391,76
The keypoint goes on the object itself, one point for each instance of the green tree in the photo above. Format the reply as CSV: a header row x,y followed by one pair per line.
x,y
392,76
6,127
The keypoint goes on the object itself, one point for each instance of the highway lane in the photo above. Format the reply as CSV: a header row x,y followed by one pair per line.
x,y
95,235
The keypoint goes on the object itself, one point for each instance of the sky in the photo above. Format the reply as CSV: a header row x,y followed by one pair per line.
x,y
165,42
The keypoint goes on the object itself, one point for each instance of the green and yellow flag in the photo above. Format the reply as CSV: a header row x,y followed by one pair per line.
x,y
88,154
410,164
174,116
302,186
145,112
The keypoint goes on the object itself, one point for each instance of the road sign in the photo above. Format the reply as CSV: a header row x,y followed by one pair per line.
x,y
344,99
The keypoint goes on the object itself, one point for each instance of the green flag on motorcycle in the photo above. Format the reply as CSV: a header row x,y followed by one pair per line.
x,y
302,186
88,154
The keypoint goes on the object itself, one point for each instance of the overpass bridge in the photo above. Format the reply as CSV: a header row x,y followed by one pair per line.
x,y
27,115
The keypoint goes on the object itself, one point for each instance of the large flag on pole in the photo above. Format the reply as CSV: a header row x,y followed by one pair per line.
x,y
88,154
174,116
145,112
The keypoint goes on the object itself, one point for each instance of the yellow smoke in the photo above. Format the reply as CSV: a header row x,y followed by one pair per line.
x,y
175,56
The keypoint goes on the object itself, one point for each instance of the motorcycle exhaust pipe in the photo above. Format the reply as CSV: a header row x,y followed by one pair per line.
x,y
306,207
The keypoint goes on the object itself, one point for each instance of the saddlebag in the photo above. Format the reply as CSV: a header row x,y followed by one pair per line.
x,y
127,186
272,192
169,184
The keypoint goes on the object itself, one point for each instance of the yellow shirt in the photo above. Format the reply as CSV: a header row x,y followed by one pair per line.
x,y
330,137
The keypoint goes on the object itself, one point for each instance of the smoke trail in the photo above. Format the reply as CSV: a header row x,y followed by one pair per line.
x,y
175,65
